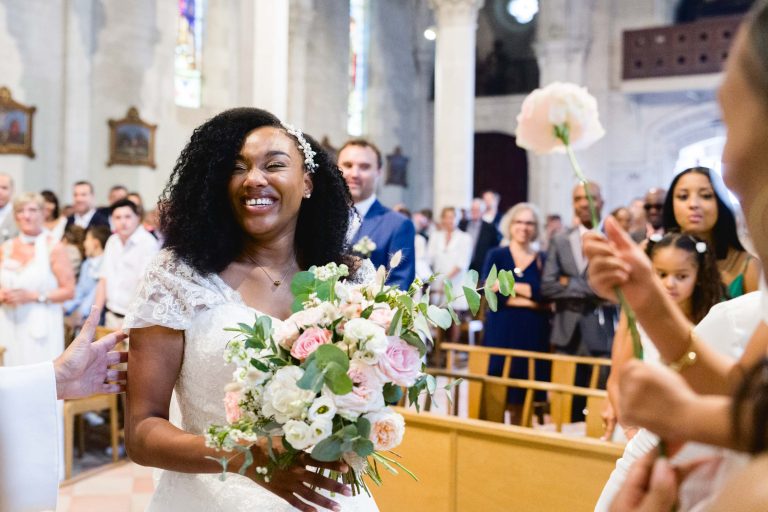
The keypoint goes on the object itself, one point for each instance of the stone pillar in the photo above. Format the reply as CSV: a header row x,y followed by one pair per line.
x,y
562,43
454,101
270,56
301,14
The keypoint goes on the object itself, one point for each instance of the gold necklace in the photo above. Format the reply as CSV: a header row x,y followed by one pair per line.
x,y
275,282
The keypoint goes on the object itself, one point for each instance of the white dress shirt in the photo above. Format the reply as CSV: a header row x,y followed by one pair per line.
x,y
29,438
363,206
84,220
123,267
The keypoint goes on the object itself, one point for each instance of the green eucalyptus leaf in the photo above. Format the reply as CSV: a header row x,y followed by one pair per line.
x,y
473,299
448,291
392,394
363,427
336,379
471,279
414,340
363,447
303,283
453,314
328,450
326,354
407,302
312,379
441,317
413,397
492,277
506,283
431,384
397,323
490,297
298,303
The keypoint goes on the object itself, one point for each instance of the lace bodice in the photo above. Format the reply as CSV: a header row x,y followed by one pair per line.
x,y
176,296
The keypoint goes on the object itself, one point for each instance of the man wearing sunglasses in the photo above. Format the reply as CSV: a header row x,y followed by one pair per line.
x,y
653,204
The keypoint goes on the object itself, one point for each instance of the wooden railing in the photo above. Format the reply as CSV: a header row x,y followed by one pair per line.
x,y
683,49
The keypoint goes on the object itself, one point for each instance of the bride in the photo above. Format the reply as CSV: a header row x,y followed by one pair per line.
x,y
250,203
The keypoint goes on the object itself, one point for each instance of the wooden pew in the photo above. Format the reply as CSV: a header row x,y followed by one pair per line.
x,y
487,395
466,465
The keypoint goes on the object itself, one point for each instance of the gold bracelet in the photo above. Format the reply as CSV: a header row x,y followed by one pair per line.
x,y
689,357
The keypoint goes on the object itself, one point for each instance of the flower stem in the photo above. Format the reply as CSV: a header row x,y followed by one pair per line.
x,y
637,347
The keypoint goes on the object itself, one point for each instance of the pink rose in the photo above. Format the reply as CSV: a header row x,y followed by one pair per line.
x,y
366,394
400,363
232,406
382,316
308,342
556,104
387,429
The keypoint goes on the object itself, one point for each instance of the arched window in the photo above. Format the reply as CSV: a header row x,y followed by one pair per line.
x,y
188,70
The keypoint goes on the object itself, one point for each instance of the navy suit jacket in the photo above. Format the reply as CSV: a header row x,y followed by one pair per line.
x,y
391,232
100,218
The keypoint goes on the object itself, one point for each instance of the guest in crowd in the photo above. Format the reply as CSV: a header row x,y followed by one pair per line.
x,y
553,226
77,309
687,268
583,322
639,220
116,193
683,405
422,220
492,213
35,279
361,164
8,228
624,217
521,322
423,270
86,215
73,239
696,204
449,251
126,256
484,235
653,218
54,221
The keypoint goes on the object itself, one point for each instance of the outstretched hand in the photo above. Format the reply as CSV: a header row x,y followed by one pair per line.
x,y
616,260
85,369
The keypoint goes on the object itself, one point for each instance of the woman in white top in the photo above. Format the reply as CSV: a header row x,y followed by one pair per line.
x,y
35,279
450,251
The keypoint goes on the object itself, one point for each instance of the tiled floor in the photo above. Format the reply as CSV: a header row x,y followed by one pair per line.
x,y
125,487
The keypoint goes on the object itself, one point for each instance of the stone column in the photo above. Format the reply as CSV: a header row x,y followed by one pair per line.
x,y
562,43
270,56
454,101
301,14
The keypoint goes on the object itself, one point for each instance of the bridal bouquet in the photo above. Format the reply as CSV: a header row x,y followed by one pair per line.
x,y
321,380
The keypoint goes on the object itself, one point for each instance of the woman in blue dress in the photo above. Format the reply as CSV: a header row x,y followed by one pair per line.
x,y
521,322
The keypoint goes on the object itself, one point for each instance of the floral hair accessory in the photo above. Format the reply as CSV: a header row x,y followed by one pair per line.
x,y
701,247
309,153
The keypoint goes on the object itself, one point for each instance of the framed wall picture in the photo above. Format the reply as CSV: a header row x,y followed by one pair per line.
x,y
15,126
131,140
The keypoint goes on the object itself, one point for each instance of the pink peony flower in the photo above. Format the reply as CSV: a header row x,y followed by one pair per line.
x,y
232,406
400,363
557,104
382,315
308,342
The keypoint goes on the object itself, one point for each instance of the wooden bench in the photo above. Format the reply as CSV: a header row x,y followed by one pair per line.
x,y
466,465
488,394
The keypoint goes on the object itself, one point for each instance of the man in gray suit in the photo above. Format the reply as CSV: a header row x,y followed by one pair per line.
x,y
8,227
583,324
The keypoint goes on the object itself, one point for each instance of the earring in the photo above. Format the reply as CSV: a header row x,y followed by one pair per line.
x,y
307,195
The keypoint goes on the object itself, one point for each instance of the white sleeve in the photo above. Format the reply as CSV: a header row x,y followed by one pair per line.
x,y
29,438
643,442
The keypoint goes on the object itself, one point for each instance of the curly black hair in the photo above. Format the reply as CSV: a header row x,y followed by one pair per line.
x,y
196,215
724,233
750,405
708,289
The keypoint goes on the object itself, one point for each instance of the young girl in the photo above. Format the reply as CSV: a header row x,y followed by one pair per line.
x,y
687,267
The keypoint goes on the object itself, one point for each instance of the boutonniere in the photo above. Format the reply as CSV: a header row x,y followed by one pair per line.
x,y
364,247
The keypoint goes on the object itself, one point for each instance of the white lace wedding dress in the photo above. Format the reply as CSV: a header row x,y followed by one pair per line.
x,y
174,295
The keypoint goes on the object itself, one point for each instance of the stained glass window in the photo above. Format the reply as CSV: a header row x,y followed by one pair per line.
x,y
358,66
189,46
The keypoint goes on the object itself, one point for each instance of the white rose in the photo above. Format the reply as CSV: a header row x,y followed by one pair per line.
x,y
320,429
366,334
283,399
387,429
298,434
366,356
285,334
322,408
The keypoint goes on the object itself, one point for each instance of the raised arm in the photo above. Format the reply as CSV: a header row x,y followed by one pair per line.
x,y
154,364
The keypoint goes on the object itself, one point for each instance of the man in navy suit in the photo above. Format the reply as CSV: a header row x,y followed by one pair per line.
x,y
360,162
86,215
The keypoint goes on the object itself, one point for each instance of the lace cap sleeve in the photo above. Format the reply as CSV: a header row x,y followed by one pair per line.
x,y
366,274
172,293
